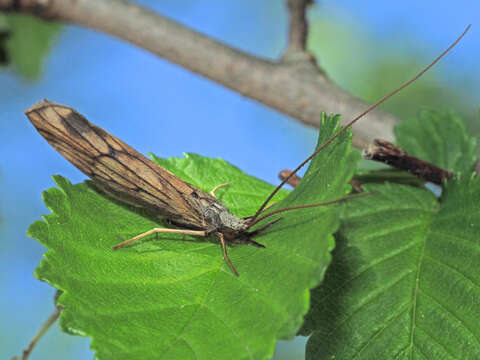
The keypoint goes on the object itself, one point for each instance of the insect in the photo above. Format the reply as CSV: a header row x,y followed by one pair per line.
x,y
130,177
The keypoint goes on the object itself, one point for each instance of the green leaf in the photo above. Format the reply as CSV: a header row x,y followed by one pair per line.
x,y
29,42
440,138
367,176
177,299
383,62
4,34
3,22
404,282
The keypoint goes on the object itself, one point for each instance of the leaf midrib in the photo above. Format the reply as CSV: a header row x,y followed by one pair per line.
x,y
425,238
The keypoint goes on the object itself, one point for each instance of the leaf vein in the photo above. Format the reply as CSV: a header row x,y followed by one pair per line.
x,y
452,269
451,313
380,331
231,329
368,301
415,294
388,256
189,321
433,339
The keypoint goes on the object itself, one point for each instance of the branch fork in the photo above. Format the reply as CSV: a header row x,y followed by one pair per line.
x,y
294,85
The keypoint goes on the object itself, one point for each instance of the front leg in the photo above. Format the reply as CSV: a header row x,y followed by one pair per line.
x,y
218,187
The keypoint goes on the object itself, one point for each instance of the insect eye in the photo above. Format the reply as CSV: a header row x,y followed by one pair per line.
x,y
194,195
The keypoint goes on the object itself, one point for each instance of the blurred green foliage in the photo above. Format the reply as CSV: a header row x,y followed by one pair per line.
x,y
25,42
360,61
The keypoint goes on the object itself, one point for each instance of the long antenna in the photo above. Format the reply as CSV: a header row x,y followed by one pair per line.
x,y
370,108
348,197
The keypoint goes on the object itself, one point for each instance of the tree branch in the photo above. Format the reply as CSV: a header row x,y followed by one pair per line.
x,y
302,92
298,32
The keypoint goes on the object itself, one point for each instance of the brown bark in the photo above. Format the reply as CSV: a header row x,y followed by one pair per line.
x,y
294,86
386,152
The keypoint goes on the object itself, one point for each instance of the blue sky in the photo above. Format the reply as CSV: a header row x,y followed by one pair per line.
x,y
158,107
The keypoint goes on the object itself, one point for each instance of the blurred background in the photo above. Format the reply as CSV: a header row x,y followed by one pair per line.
x,y
368,48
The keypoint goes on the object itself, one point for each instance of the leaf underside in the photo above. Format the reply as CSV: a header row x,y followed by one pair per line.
x,y
404,280
404,283
174,297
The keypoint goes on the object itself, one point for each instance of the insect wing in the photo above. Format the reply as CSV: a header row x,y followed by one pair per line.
x,y
115,167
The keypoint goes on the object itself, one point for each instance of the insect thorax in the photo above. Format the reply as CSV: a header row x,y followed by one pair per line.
x,y
220,219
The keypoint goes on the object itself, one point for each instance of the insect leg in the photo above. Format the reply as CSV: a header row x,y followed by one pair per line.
x,y
218,187
161,230
225,255
252,243
269,205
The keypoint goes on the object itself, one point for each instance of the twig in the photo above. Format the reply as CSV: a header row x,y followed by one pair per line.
x,y
386,152
298,32
48,323
302,93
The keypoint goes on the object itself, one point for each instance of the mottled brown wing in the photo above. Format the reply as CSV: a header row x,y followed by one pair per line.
x,y
115,167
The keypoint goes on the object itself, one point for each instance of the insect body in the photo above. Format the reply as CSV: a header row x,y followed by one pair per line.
x,y
130,177
127,175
